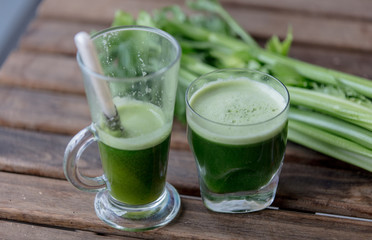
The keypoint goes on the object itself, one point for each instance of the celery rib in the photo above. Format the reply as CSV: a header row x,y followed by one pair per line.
x,y
329,148
340,108
319,74
330,138
333,125
195,66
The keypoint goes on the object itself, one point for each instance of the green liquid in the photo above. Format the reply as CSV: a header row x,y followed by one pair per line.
x,y
135,166
228,168
233,156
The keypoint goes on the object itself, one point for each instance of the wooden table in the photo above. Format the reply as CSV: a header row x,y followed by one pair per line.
x,y
42,104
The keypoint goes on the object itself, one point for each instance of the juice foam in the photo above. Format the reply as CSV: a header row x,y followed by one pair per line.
x,y
236,110
144,125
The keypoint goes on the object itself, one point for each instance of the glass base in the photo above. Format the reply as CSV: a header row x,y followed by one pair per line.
x,y
138,218
242,202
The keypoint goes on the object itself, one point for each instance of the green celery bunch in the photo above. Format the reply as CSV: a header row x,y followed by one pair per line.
x,y
331,111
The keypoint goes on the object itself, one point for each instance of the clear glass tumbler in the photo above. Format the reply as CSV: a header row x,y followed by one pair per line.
x,y
140,70
237,131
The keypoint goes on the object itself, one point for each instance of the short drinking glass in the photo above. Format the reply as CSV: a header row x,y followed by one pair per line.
x,y
140,68
237,131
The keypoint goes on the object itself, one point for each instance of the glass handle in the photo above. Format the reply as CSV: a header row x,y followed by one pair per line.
x,y
73,151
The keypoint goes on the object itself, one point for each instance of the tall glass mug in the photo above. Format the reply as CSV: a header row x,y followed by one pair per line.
x,y
140,66
237,130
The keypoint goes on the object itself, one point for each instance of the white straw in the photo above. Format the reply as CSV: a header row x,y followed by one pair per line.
x,y
88,53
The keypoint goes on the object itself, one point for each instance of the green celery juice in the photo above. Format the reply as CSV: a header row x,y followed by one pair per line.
x,y
238,142
135,165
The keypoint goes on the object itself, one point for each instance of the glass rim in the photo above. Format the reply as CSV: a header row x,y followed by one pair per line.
x,y
157,31
235,70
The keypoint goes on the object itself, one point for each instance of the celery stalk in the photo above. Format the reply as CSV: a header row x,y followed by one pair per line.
x,y
333,125
324,136
319,74
330,145
215,7
316,73
195,65
334,106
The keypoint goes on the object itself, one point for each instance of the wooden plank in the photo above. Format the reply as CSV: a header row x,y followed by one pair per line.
x,y
29,199
55,36
24,231
40,154
353,9
260,22
322,186
43,111
356,9
61,73
317,31
42,71
71,10
309,181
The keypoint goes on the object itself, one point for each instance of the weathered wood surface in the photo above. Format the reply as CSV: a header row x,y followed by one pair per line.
x,y
328,8
356,9
42,104
259,18
28,199
43,111
309,182
21,69
39,71
26,231
54,36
